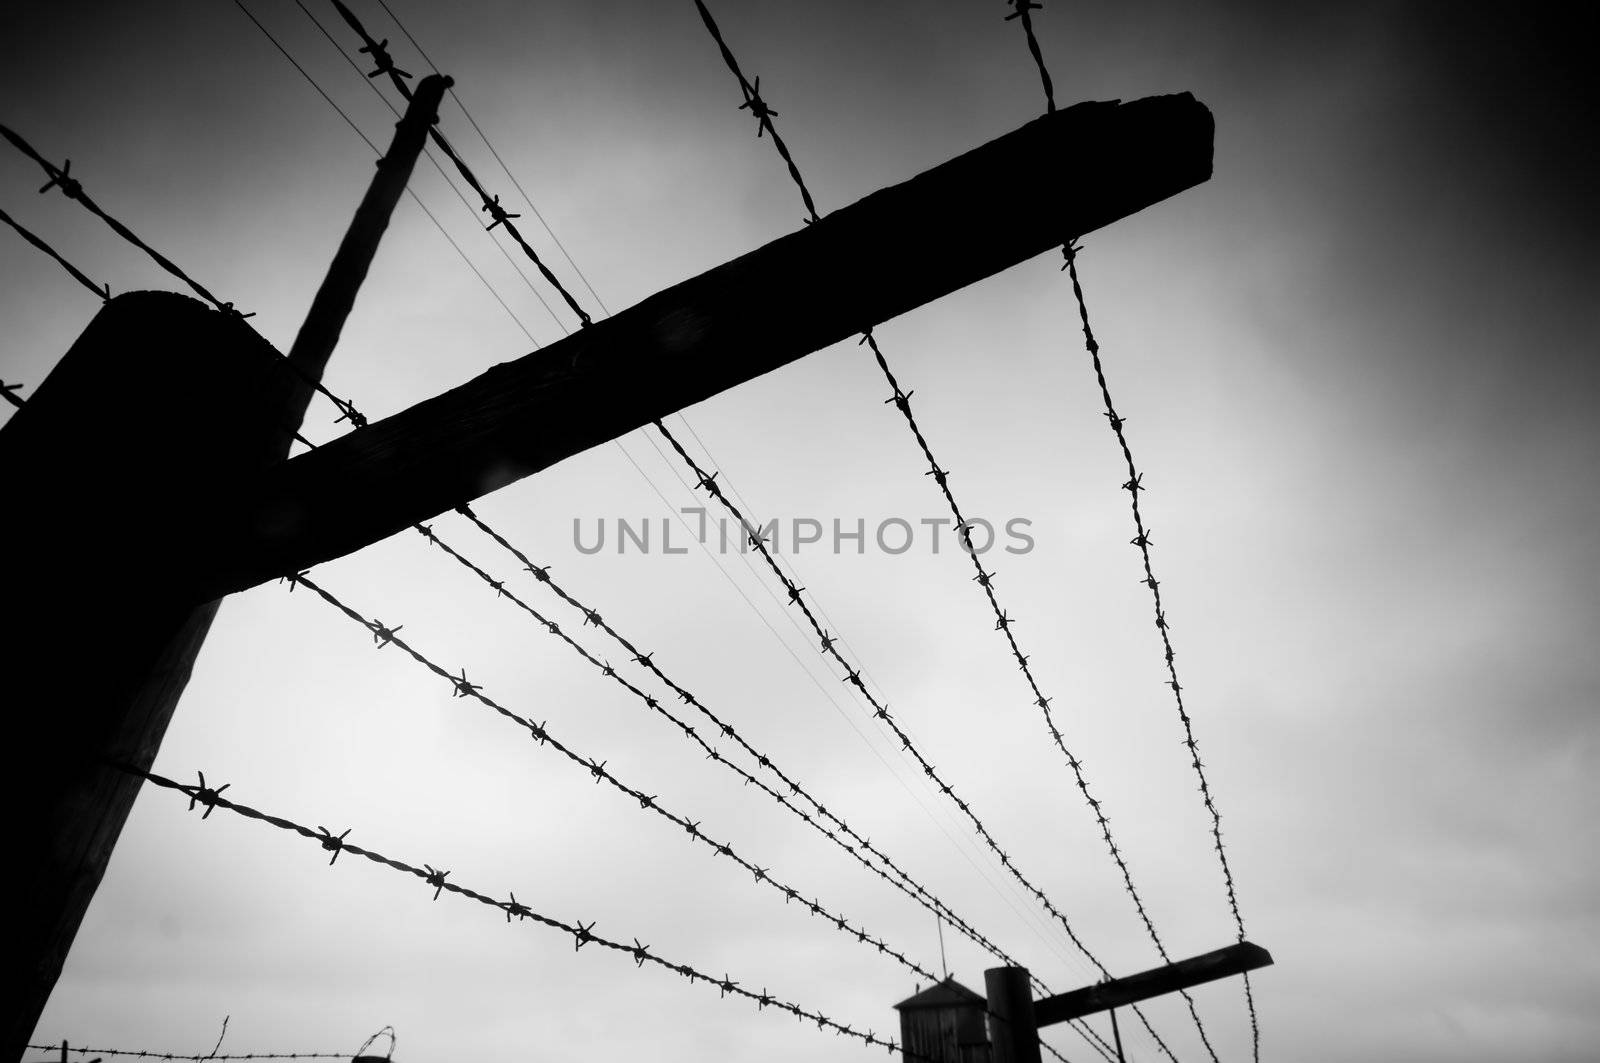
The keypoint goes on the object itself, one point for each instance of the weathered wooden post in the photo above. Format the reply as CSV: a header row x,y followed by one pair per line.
x,y
108,472
1013,1037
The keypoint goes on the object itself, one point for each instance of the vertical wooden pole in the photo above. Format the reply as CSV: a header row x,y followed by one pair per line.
x,y
106,474
1013,1037
159,401
331,306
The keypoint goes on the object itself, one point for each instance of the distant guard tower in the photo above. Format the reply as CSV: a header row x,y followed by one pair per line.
x,y
949,1023
945,1024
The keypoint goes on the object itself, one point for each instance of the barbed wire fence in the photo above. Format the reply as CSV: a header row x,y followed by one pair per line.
x,y
907,884
61,178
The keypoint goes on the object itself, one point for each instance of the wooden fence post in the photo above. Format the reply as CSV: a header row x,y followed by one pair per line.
x,y
108,475
1013,1037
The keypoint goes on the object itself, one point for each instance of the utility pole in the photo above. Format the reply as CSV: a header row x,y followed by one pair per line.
x,y
146,478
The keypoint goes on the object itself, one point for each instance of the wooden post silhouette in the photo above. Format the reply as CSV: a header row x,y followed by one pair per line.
x,y
1013,1037
108,470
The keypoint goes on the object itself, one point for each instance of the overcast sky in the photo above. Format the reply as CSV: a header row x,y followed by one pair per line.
x,y
1358,371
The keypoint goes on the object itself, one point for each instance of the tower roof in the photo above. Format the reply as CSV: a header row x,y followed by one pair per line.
x,y
946,994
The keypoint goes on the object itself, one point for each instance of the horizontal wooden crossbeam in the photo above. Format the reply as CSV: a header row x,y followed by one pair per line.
x,y
1158,981
1054,179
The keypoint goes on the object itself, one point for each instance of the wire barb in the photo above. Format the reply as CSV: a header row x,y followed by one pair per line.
x,y
205,795
379,50
333,843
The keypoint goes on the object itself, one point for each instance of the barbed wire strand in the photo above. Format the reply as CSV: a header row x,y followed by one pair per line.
x,y
101,290
210,798
1023,10
1133,485
384,636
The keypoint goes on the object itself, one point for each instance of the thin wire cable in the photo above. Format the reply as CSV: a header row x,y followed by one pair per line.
x,y
210,798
